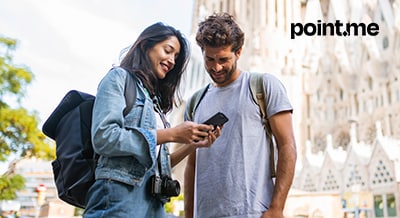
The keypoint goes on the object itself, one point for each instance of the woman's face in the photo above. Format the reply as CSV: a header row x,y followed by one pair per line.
x,y
163,54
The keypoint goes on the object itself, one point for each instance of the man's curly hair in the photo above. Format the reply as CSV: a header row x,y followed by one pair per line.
x,y
220,29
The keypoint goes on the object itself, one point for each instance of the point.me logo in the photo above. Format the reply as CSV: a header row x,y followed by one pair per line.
x,y
333,29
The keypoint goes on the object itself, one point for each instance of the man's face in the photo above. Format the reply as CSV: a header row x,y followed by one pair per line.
x,y
221,64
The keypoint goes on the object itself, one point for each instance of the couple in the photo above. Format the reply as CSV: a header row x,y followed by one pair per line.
x,y
227,172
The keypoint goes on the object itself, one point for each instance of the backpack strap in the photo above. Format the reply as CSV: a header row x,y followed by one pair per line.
x,y
195,100
130,98
129,92
257,89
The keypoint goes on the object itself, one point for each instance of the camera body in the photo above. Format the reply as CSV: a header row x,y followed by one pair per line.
x,y
164,187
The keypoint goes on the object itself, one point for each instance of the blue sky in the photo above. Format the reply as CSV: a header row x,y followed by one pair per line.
x,y
71,44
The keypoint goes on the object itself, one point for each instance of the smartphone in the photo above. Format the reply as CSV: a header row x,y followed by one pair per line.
x,y
218,119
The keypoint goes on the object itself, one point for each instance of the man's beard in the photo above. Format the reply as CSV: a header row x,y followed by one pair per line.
x,y
228,74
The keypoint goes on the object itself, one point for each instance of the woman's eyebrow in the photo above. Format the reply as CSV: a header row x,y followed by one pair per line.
x,y
173,48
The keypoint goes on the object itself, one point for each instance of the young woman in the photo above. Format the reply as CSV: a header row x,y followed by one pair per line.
x,y
128,145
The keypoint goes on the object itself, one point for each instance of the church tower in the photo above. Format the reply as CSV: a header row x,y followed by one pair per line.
x,y
345,91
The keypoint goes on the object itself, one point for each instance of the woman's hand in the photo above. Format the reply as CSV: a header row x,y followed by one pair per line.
x,y
189,132
194,139
197,135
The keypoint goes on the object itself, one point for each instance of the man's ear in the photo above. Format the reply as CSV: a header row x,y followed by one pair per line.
x,y
238,52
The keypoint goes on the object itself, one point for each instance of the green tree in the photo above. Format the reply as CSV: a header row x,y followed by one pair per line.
x,y
20,136
9,185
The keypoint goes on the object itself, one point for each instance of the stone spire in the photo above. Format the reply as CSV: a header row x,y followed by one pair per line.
x,y
353,133
378,127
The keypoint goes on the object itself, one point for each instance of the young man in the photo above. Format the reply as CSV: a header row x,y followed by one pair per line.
x,y
232,178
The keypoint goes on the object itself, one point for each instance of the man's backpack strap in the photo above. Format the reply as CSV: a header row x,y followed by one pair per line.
x,y
257,88
195,100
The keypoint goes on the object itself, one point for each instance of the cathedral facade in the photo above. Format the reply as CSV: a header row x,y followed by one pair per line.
x,y
345,90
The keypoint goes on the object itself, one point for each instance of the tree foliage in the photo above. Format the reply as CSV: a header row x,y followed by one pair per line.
x,y
20,135
9,185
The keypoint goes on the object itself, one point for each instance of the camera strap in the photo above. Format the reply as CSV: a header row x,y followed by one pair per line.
x,y
166,124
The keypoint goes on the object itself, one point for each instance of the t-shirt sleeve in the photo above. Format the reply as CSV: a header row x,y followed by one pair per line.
x,y
186,116
277,99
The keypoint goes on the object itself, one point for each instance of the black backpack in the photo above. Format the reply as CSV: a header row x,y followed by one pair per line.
x,y
70,126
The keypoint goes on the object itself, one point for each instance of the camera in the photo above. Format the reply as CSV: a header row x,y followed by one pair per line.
x,y
164,186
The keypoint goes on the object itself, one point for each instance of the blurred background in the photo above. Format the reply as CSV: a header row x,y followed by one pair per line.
x,y
345,90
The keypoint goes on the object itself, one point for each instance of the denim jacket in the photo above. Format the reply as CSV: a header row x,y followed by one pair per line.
x,y
127,145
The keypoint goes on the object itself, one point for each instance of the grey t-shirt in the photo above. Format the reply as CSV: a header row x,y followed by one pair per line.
x,y
233,175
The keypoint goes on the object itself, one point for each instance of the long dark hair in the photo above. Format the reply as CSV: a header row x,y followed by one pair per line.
x,y
137,61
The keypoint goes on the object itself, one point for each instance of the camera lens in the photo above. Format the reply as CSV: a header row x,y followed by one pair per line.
x,y
171,188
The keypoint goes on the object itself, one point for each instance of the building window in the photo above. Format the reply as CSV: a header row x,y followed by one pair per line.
x,y
309,184
355,177
248,11
330,182
391,205
385,42
341,94
378,205
382,175
386,202
370,83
